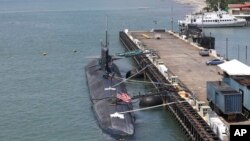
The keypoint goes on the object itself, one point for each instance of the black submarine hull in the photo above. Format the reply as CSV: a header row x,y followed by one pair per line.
x,y
105,103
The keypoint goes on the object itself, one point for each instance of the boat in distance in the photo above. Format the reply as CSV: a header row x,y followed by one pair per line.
x,y
109,96
213,19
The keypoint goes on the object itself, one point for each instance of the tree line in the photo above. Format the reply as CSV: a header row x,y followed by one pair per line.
x,y
212,4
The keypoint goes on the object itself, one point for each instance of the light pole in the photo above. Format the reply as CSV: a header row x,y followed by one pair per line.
x,y
226,48
238,52
246,54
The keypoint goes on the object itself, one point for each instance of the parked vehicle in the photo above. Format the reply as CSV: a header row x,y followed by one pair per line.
x,y
204,52
214,62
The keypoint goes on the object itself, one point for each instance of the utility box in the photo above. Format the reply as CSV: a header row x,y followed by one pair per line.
x,y
199,104
174,80
204,110
154,58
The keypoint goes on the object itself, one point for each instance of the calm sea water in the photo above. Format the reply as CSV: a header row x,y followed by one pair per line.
x,y
45,98
238,42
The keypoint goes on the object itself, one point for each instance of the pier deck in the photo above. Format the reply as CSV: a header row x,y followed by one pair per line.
x,y
183,60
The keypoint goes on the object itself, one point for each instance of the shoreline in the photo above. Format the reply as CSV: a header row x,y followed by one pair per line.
x,y
198,5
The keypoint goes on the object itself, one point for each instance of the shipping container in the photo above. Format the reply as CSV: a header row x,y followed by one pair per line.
x,y
210,92
242,85
225,98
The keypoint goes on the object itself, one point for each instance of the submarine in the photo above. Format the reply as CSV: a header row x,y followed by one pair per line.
x,y
109,97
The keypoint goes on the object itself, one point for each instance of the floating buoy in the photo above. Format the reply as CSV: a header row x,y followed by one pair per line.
x,y
150,101
45,53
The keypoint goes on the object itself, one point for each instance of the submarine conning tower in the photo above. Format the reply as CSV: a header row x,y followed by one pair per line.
x,y
106,60
104,57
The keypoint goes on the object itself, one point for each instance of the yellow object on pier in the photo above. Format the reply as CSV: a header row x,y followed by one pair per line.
x,y
145,36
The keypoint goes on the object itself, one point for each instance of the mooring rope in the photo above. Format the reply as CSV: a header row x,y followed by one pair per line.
x,y
146,108
147,82
131,76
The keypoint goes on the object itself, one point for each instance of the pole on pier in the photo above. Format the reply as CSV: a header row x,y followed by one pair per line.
x,y
238,52
210,40
246,54
226,48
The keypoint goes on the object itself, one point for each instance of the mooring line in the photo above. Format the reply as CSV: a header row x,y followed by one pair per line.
x,y
131,76
146,82
141,109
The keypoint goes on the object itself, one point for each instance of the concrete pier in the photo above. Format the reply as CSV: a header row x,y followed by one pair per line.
x,y
179,57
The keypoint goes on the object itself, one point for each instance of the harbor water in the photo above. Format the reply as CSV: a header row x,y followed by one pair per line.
x,y
44,46
232,43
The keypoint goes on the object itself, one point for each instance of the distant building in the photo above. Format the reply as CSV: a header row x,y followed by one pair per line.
x,y
240,10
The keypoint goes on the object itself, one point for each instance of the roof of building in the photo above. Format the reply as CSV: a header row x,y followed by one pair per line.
x,y
235,67
245,5
243,80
